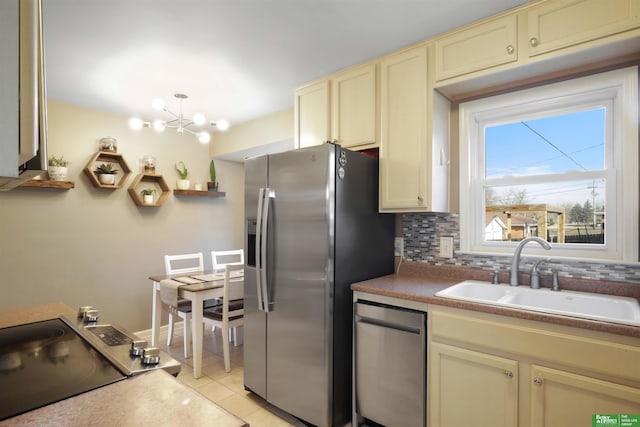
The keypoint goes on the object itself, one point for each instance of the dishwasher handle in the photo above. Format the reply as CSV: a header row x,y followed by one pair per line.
x,y
389,325
390,317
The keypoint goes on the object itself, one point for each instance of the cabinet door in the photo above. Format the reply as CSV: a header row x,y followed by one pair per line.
x,y
403,125
353,109
311,114
472,388
477,48
560,398
563,23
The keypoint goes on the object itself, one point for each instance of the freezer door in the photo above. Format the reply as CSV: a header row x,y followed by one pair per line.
x,y
255,321
300,262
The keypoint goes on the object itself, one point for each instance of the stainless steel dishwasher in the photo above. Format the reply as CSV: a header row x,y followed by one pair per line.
x,y
389,365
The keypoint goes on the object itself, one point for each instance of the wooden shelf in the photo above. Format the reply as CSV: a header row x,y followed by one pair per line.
x,y
108,157
42,183
199,193
156,181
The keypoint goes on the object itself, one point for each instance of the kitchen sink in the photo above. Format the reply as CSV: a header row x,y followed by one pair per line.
x,y
608,308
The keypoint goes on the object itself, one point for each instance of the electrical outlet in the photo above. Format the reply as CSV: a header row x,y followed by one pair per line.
x,y
398,244
446,247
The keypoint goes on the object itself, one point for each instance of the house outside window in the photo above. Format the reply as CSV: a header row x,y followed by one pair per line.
x,y
559,162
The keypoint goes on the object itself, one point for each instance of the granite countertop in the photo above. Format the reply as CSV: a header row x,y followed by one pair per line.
x,y
419,282
152,398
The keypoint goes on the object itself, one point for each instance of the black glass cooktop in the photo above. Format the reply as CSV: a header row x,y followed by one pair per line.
x,y
44,362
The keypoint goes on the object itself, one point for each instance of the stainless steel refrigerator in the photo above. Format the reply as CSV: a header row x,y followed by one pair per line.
x,y
312,229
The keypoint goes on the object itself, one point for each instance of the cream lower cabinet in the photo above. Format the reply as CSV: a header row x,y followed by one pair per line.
x,y
413,136
500,371
472,388
560,398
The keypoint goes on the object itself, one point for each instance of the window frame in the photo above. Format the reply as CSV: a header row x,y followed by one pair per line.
x,y
617,92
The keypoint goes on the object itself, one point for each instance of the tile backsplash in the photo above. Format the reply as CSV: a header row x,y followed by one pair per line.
x,y
422,234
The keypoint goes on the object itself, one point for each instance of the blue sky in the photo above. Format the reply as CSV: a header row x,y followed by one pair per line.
x,y
515,149
549,145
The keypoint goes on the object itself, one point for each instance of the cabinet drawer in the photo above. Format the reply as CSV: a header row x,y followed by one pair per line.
x,y
477,48
563,23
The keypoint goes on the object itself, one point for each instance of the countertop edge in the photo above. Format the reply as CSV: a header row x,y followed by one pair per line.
x,y
418,283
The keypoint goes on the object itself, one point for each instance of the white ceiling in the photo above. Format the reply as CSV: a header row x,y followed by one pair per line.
x,y
236,59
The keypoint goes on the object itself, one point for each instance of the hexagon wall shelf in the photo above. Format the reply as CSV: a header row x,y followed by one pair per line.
x,y
158,183
106,157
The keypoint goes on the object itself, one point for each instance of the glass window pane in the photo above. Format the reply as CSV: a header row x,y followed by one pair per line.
x,y
554,144
561,212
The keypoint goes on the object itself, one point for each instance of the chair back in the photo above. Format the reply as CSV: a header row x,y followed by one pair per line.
x,y
221,258
186,263
233,289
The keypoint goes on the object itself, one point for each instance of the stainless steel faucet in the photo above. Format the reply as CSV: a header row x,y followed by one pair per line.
x,y
515,263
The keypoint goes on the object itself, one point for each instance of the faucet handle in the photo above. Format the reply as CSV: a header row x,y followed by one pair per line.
x,y
495,277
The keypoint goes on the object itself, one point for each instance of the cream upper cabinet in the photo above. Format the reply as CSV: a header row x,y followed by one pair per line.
x,y
414,138
312,114
354,107
341,108
472,388
558,24
476,48
560,398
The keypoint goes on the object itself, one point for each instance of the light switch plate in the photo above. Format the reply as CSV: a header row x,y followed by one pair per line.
x,y
446,247
398,246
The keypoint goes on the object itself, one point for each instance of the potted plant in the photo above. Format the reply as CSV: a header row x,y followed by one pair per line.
x,y
147,195
57,168
106,173
213,184
183,183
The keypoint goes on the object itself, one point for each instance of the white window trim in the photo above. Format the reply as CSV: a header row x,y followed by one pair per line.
x,y
616,89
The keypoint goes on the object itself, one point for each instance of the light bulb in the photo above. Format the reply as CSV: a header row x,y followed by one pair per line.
x,y
204,137
221,124
198,119
135,123
158,125
158,104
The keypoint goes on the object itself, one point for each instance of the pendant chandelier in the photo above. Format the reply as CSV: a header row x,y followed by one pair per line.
x,y
179,122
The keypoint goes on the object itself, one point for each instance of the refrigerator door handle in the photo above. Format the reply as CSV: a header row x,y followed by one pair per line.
x,y
259,258
268,194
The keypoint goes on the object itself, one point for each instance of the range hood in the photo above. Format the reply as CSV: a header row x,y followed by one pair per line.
x,y
23,152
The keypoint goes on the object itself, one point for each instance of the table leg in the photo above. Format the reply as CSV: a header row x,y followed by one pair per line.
x,y
197,331
156,315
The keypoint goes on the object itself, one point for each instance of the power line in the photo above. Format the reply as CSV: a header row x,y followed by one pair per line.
x,y
553,145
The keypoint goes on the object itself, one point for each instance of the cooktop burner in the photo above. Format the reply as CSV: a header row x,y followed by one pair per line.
x,y
44,362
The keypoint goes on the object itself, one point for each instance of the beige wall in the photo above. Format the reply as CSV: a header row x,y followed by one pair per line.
x,y
94,246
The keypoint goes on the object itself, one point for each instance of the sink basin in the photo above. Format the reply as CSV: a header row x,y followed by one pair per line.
x,y
585,305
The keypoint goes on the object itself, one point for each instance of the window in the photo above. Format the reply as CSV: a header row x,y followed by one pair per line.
x,y
558,162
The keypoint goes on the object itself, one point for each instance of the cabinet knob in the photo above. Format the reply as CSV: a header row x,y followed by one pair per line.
x,y
533,41
537,381
510,49
509,374
421,199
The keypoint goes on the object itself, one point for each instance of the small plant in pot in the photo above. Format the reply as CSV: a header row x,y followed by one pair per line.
x,y
57,168
183,183
147,195
106,173
213,184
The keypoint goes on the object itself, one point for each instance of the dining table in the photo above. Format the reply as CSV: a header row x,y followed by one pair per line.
x,y
196,287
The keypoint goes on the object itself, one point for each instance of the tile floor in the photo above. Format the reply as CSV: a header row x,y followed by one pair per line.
x,y
226,389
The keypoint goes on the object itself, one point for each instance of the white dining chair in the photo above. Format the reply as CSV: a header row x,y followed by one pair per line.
x,y
182,264
219,259
228,314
